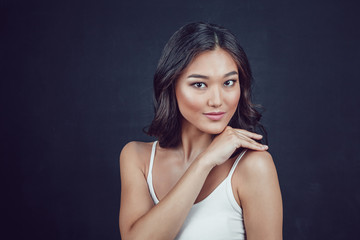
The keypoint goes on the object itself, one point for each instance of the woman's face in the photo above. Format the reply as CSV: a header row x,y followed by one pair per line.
x,y
208,91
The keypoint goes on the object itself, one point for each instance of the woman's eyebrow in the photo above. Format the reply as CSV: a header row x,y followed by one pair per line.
x,y
198,76
206,77
231,73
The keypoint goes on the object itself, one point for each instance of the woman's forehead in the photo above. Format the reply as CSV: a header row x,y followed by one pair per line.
x,y
214,63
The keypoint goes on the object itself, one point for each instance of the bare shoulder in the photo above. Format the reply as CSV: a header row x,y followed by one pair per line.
x,y
257,161
135,147
135,152
256,167
259,195
256,173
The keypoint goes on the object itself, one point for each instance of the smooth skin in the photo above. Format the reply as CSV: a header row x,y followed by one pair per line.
x,y
188,173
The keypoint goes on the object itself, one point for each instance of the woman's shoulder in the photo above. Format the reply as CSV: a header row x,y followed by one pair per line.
x,y
255,161
136,146
136,151
256,172
256,166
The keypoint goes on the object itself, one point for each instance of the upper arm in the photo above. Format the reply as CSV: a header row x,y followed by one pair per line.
x,y
135,197
260,196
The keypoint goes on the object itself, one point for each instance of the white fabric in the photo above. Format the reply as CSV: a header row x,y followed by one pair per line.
x,y
217,217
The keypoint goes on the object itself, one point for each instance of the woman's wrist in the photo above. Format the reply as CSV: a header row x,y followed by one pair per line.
x,y
204,164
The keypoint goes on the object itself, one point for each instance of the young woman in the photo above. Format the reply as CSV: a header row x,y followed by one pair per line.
x,y
207,176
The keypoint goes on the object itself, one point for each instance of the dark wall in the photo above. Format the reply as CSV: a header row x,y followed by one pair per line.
x,y
76,85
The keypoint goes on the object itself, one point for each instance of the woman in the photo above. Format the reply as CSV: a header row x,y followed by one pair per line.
x,y
207,176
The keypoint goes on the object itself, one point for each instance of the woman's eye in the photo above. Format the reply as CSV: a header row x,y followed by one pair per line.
x,y
229,83
199,85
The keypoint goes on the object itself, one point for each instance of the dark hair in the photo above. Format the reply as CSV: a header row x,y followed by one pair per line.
x,y
182,47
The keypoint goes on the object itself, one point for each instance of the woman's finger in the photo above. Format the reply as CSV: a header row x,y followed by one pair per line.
x,y
249,134
248,138
250,145
245,141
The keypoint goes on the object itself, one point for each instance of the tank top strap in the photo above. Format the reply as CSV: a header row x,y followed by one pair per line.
x,y
149,176
230,194
236,163
152,158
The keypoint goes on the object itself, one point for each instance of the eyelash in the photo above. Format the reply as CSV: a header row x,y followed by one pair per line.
x,y
233,82
196,85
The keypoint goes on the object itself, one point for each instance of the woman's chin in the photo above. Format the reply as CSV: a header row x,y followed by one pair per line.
x,y
214,130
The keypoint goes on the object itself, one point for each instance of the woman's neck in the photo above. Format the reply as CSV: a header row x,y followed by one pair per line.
x,y
193,142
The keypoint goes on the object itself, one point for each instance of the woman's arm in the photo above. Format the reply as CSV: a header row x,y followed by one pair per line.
x,y
260,196
139,218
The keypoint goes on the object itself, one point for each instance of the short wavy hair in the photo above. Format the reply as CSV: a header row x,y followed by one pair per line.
x,y
186,43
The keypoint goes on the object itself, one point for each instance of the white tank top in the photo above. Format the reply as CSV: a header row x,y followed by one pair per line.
x,y
217,217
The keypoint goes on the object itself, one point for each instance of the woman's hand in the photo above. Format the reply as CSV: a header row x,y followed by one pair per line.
x,y
224,145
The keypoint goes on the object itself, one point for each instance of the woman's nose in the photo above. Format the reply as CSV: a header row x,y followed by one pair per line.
x,y
215,98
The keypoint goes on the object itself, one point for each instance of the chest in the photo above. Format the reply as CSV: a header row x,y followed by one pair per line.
x,y
166,172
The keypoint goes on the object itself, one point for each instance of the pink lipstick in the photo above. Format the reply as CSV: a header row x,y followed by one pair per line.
x,y
215,116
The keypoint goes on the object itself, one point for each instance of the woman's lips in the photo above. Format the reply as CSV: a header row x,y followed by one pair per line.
x,y
215,116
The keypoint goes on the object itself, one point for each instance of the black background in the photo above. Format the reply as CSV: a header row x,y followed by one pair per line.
x,y
76,85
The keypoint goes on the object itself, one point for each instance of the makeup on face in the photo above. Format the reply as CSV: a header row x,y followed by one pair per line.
x,y
208,91
215,116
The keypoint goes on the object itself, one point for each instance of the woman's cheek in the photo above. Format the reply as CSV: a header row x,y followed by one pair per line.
x,y
189,102
233,99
